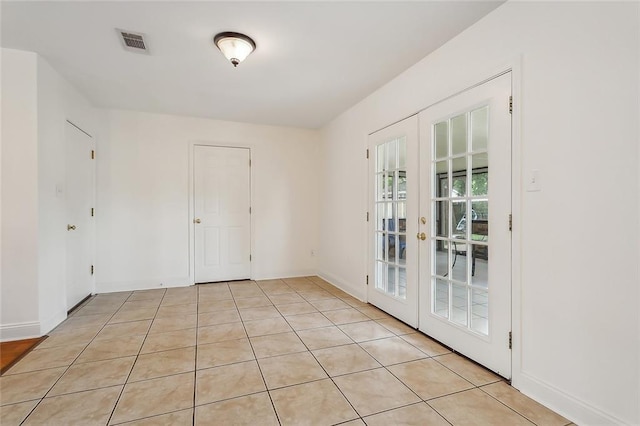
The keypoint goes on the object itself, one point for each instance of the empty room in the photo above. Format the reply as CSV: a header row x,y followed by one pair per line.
x,y
320,213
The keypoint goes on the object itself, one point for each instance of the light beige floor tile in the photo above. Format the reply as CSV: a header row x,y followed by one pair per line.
x,y
413,415
392,350
316,294
171,340
286,298
367,330
291,369
326,337
216,305
253,302
28,386
111,348
147,294
42,359
208,296
179,300
477,408
83,408
329,304
111,331
141,304
429,379
175,310
64,329
353,302
218,317
79,336
228,381
373,312
13,415
94,375
278,289
345,316
395,326
345,359
249,314
266,326
221,332
532,410
85,321
240,293
276,344
299,283
97,309
133,315
221,353
296,308
180,322
248,410
315,403
425,344
165,363
153,397
469,370
356,422
374,391
306,321
177,418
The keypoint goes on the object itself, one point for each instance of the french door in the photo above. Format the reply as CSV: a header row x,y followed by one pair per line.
x,y
222,224
465,262
439,228
393,189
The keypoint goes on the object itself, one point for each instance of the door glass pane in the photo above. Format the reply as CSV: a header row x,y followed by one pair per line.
x,y
390,217
460,202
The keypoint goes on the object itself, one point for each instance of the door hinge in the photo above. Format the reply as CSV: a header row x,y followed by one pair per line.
x,y
91,269
510,104
367,153
367,216
510,221
249,210
510,340
249,258
92,212
249,162
367,279
93,155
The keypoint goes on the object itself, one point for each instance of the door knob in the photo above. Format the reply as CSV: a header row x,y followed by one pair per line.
x,y
196,220
422,236
71,227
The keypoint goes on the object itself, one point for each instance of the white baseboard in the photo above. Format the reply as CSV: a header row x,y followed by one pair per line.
x,y
284,274
52,322
19,331
343,285
149,284
563,403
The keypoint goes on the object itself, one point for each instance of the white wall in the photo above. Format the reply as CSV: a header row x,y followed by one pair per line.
x,y
576,323
143,218
19,316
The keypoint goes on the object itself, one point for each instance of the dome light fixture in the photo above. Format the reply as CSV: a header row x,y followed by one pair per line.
x,y
234,46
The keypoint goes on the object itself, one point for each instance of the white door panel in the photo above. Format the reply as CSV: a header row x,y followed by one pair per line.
x,y
221,205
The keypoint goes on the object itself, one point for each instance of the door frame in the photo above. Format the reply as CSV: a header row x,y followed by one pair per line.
x,y
192,230
469,81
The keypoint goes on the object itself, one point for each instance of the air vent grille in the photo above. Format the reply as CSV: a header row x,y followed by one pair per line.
x,y
133,42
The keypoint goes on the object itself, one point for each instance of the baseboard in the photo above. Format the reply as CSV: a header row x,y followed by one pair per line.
x,y
19,331
286,274
342,285
150,284
52,322
563,403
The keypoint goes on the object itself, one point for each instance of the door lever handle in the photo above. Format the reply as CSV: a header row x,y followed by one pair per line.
x,y
196,220
71,227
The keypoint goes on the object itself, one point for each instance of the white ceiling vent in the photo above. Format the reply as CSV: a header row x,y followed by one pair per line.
x,y
133,42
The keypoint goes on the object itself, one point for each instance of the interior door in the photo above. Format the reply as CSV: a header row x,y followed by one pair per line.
x,y
222,214
465,263
393,213
79,200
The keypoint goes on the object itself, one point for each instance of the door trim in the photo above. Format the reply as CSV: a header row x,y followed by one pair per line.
x,y
191,241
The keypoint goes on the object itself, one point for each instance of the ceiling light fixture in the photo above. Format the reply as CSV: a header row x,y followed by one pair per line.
x,y
235,46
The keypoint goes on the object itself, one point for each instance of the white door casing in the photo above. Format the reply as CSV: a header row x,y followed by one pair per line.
x,y
222,230
465,276
393,214
79,198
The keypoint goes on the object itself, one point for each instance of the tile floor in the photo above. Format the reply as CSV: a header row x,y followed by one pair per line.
x,y
293,352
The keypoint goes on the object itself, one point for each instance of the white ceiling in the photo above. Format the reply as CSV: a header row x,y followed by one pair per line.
x,y
313,59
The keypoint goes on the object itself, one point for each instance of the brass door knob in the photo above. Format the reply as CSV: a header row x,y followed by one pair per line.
x,y
71,227
196,220
422,236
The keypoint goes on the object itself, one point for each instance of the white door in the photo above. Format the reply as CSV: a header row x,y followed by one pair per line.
x,y
222,214
79,200
393,213
465,263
